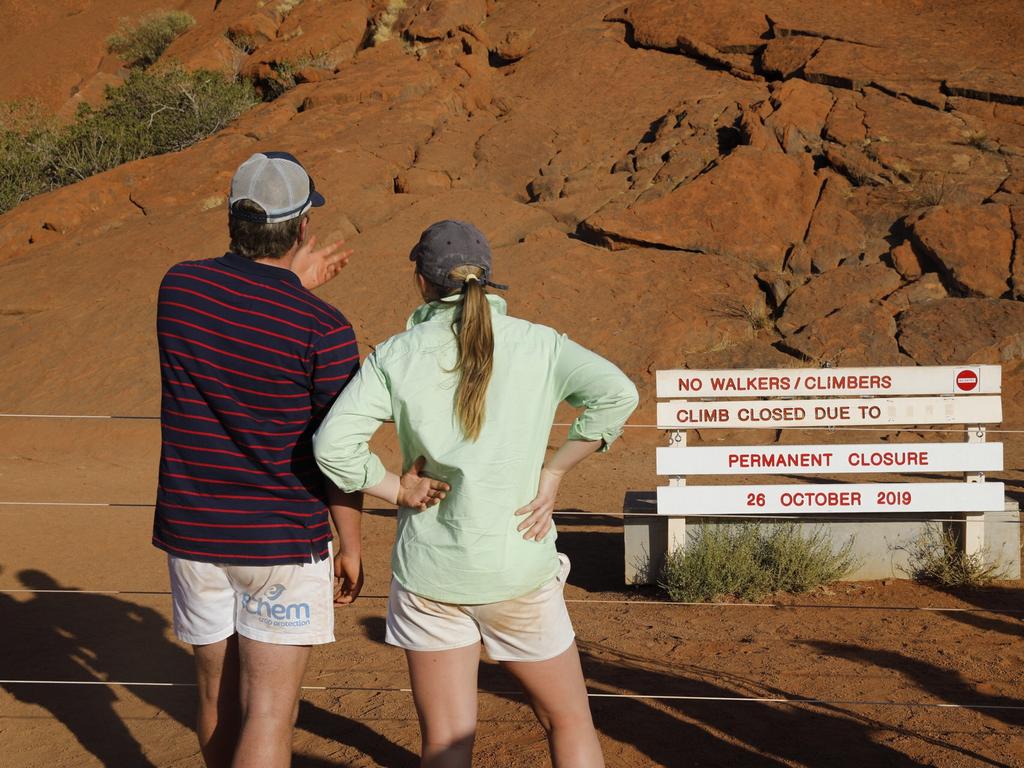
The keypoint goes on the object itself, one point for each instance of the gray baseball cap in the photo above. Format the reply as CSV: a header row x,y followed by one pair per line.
x,y
448,244
276,182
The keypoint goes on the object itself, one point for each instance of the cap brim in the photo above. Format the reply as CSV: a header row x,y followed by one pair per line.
x,y
316,199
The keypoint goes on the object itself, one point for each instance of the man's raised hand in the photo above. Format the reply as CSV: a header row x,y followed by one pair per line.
x,y
316,267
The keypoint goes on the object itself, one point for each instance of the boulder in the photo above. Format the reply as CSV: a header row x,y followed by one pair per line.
x,y
753,205
513,45
785,57
971,245
422,181
845,123
864,334
845,286
800,105
953,331
905,261
442,17
928,288
253,30
835,234
316,34
727,26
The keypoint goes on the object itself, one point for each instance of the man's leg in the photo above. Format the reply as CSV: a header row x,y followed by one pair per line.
x,y
444,689
218,715
269,680
558,694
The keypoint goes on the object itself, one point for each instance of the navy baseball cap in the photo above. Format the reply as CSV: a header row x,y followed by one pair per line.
x,y
277,183
446,245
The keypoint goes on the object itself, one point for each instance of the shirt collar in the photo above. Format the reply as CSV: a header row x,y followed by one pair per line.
x,y
242,264
442,308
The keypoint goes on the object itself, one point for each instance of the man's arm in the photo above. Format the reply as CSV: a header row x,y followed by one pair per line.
x,y
335,361
346,513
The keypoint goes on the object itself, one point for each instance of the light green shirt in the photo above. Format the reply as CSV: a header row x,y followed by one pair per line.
x,y
466,549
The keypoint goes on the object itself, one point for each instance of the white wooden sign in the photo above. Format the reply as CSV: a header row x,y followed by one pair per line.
x,y
832,382
831,459
723,500
850,412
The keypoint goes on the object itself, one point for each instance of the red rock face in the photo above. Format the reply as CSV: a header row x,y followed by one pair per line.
x,y
734,183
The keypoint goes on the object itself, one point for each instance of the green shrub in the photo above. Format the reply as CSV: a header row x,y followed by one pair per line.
x,y
141,44
151,113
935,556
749,561
26,146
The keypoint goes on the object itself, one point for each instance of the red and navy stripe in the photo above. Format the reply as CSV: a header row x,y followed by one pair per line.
x,y
250,362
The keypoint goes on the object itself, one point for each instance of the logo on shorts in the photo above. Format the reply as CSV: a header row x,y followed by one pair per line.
x,y
275,614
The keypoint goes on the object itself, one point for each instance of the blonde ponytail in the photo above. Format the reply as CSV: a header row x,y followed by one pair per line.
x,y
475,336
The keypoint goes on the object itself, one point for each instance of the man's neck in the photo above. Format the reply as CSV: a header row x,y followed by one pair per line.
x,y
284,262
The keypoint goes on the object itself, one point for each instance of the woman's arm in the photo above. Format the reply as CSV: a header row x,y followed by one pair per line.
x,y
341,445
412,490
608,397
541,509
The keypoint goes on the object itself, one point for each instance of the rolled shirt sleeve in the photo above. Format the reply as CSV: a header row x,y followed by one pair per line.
x,y
341,444
590,382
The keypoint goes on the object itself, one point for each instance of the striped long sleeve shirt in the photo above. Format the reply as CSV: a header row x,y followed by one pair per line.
x,y
250,362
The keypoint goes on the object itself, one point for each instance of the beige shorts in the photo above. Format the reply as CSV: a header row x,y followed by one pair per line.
x,y
534,627
280,604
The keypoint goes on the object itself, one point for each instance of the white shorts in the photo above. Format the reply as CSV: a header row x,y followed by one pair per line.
x,y
534,627
280,604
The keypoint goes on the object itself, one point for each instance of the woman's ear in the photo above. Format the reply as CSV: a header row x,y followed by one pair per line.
x,y
421,283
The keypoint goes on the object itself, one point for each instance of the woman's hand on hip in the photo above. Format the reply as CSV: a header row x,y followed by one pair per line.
x,y
416,491
541,510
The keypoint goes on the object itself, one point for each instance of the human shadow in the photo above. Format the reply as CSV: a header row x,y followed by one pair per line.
x,y
596,555
701,731
98,639
752,733
374,628
334,727
730,732
946,684
91,638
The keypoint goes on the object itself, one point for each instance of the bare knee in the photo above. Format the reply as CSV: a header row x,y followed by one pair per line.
x,y
564,720
450,736
447,749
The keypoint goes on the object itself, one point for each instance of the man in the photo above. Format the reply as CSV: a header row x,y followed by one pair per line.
x,y
251,360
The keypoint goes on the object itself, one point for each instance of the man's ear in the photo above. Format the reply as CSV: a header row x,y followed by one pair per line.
x,y
302,229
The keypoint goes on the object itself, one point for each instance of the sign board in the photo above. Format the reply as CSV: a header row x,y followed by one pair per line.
x,y
831,459
832,382
740,500
850,412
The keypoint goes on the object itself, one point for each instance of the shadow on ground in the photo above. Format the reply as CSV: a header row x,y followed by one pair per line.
x,y
97,638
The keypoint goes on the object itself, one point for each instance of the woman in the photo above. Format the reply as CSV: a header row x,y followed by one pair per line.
x,y
473,395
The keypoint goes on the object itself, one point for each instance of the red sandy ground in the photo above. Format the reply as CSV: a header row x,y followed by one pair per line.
x,y
854,644
78,270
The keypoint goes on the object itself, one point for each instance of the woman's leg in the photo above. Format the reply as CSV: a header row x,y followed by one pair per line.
x,y
559,698
444,689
